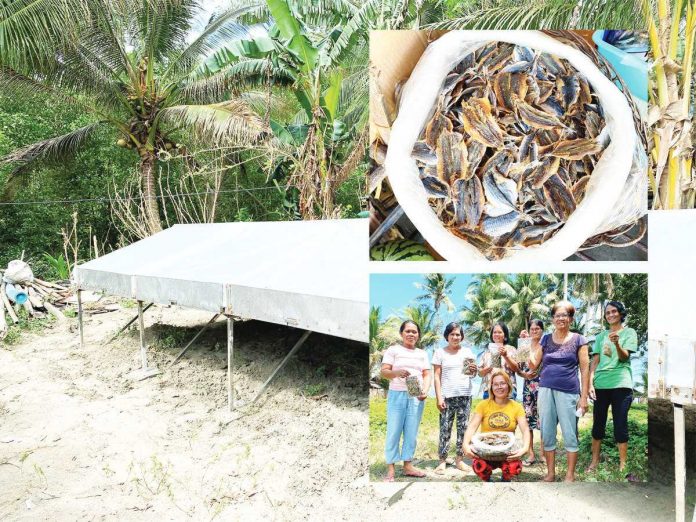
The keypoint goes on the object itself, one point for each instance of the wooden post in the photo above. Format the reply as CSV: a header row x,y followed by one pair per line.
x,y
141,328
230,357
680,463
80,318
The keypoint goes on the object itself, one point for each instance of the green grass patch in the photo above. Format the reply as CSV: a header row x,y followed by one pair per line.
x,y
428,435
27,324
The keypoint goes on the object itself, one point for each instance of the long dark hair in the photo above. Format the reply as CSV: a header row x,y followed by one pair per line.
x,y
505,330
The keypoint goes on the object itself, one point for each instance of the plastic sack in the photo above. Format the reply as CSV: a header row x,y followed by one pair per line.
x,y
616,193
488,451
18,272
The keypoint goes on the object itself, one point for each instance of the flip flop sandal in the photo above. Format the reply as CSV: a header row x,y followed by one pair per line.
x,y
389,478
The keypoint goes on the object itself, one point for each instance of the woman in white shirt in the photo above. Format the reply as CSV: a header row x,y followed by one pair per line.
x,y
454,366
404,412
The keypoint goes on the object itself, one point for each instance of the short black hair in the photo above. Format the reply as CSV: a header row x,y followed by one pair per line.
x,y
537,322
453,326
619,306
407,321
505,330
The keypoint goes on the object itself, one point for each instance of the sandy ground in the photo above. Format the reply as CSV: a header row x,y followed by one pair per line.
x,y
80,441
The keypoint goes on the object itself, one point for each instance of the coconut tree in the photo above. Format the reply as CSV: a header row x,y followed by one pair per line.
x,y
135,67
482,310
522,297
545,14
436,288
594,290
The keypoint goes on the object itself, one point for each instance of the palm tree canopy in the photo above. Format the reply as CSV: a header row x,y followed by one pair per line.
x,y
124,62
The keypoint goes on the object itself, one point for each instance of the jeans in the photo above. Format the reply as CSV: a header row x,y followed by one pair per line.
x,y
557,407
620,400
404,414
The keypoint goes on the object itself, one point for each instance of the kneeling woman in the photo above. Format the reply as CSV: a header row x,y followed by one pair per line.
x,y
498,413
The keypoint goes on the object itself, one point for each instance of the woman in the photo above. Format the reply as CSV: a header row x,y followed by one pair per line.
x,y
499,413
500,336
530,391
453,391
612,381
403,411
561,395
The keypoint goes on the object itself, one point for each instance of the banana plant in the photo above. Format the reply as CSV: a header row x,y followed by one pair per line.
x,y
322,142
672,30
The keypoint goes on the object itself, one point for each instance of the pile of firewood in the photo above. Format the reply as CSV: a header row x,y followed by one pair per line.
x,y
20,289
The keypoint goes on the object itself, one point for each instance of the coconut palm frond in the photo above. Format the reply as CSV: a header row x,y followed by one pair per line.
x,y
221,29
32,30
51,149
230,121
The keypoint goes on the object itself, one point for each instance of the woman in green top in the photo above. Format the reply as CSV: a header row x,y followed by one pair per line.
x,y
612,381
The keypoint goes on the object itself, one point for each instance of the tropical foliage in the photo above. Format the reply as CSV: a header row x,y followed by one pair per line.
x,y
672,31
133,68
515,299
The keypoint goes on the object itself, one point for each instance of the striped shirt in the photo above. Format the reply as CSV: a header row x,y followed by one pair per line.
x,y
414,360
453,382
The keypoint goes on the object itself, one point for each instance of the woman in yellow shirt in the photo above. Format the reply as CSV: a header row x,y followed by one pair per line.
x,y
498,413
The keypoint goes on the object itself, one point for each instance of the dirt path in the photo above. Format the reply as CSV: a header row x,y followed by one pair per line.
x,y
80,441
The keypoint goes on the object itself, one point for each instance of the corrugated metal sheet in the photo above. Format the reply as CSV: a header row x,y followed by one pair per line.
x,y
308,274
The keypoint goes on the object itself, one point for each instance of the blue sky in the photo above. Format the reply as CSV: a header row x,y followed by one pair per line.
x,y
393,292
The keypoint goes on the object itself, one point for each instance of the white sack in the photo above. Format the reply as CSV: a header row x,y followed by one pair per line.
x,y
607,203
18,273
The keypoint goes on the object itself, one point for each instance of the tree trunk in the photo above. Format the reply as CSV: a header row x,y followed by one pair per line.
x,y
148,180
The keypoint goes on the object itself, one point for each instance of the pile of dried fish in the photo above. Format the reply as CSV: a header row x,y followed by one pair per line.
x,y
494,439
413,385
510,148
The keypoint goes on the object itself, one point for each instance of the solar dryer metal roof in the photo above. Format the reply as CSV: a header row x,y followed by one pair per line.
x,y
307,274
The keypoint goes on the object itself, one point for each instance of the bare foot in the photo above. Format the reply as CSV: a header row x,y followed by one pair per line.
x,y
570,478
412,471
441,467
591,468
461,466
549,478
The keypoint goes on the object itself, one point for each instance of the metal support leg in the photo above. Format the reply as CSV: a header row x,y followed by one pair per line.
x,y
127,325
144,371
230,357
182,352
680,463
297,346
80,318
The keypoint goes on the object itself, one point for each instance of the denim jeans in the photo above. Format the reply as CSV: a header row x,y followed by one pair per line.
x,y
557,407
404,415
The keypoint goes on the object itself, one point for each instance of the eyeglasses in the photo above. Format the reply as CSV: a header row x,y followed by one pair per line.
x,y
503,385
561,316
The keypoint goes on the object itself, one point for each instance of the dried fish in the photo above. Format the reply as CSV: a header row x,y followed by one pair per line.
x,y
469,201
423,153
435,187
549,167
576,149
480,124
559,198
508,87
435,127
510,149
451,157
535,118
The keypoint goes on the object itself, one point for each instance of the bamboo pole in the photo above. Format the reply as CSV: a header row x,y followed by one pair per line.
x,y
3,322
34,297
8,305
54,311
